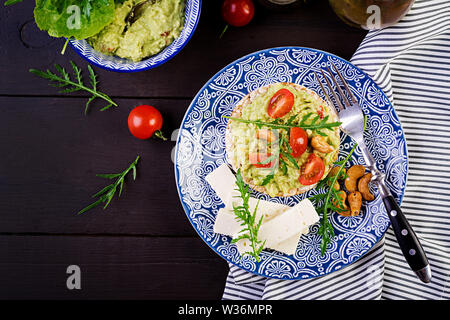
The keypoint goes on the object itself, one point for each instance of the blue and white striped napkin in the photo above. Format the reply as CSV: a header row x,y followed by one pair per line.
x,y
411,63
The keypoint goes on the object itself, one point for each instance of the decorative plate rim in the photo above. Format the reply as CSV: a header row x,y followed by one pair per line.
x,y
169,57
192,104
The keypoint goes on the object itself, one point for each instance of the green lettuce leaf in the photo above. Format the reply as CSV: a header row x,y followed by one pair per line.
x,y
80,19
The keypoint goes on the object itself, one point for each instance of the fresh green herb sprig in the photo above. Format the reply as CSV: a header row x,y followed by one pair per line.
x,y
247,219
11,2
286,150
315,124
107,193
65,81
331,200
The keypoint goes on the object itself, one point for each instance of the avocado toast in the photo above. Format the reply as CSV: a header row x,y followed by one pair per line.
x,y
284,138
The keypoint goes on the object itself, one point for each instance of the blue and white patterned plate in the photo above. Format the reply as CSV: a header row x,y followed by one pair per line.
x,y
201,149
112,63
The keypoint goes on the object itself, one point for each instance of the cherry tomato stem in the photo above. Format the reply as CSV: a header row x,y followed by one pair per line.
x,y
159,134
145,121
223,31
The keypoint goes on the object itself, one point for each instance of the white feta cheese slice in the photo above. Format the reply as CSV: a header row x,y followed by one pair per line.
x,y
308,212
288,224
268,209
282,225
222,181
289,245
226,223
233,199
284,231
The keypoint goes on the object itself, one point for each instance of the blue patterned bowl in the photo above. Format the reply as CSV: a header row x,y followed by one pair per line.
x,y
192,16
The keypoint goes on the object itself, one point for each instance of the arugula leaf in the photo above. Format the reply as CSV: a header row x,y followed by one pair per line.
x,y
11,2
268,178
326,230
290,158
331,197
283,166
73,18
275,125
107,193
64,81
248,219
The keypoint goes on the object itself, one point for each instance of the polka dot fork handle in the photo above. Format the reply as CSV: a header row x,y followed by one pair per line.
x,y
406,237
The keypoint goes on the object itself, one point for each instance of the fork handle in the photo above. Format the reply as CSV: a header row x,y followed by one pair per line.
x,y
407,239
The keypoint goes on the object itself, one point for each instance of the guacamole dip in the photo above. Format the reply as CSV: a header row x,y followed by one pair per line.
x,y
156,26
244,139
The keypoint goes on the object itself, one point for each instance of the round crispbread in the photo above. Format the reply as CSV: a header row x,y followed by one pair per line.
x,y
237,113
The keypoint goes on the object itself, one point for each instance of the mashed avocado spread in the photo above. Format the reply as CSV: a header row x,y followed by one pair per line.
x,y
156,27
244,142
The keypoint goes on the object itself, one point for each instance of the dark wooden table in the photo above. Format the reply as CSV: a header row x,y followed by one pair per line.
x,y
142,246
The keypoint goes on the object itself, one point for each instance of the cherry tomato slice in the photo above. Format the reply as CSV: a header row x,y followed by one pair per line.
x,y
280,103
312,171
320,112
298,141
258,159
144,121
238,13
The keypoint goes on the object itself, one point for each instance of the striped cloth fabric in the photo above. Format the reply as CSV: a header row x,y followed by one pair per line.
x,y
411,63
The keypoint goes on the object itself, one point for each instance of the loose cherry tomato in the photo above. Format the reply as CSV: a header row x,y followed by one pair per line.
x,y
280,103
298,141
144,121
256,159
238,13
312,171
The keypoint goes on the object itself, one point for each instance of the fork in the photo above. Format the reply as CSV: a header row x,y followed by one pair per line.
x,y
352,118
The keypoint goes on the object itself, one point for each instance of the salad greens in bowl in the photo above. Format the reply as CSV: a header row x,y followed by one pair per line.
x,y
120,35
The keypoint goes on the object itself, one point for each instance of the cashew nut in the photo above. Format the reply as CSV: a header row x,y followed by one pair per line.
x,y
334,172
353,174
363,187
342,205
355,201
318,142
